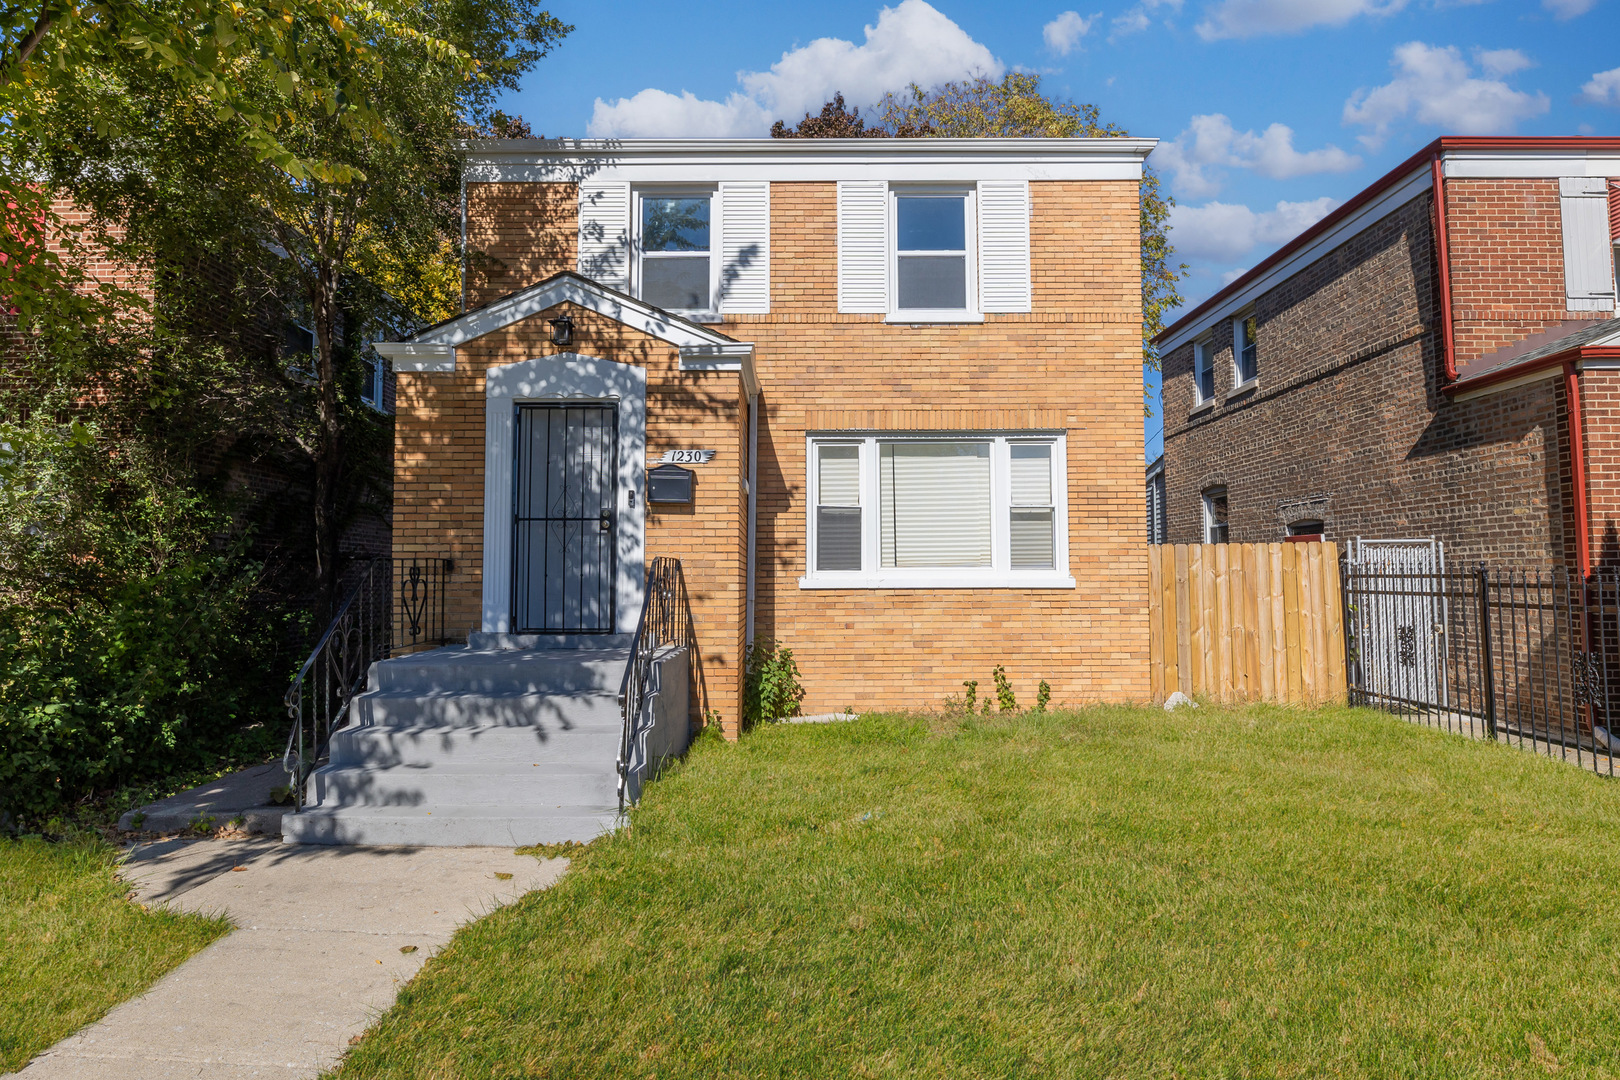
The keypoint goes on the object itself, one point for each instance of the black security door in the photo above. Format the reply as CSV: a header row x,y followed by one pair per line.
x,y
563,536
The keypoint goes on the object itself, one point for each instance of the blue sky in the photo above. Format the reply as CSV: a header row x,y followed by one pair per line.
x,y
1271,112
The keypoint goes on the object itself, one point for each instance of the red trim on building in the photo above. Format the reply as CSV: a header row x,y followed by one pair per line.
x,y
1577,469
1442,258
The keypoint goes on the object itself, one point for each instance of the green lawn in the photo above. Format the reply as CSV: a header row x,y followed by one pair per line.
x,y
72,945
1244,892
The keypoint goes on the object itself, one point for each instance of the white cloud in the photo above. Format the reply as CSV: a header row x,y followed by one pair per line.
x,y
1063,33
1500,62
1568,9
1251,18
1437,87
1603,88
911,43
1140,17
1210,144
1222,232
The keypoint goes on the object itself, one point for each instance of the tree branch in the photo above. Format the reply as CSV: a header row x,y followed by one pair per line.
x,y
26,48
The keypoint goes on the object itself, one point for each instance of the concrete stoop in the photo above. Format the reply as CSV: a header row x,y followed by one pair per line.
x,y
497,743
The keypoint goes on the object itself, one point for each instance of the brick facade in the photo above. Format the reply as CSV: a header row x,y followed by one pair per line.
x,y
1349,422
1072,364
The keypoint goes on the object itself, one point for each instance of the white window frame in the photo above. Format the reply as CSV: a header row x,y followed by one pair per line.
x,y
1203,360
969,193
1239,340
999,575
379,374
1208,495
679,191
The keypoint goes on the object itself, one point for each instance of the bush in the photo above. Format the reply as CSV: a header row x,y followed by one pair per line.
x,y
771,687
160,676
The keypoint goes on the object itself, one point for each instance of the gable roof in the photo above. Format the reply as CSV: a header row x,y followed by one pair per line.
x,y
701,348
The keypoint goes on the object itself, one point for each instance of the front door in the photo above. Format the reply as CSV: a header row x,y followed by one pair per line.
x,y
563,527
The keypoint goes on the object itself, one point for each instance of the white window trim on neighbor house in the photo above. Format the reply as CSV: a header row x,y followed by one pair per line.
x,y
1240,341
999,575
679,191
1203,360
969,312
1209,496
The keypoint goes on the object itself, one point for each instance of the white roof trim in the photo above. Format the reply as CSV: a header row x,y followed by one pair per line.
x,y
406,356
738,356
1530,164
675,160
586,294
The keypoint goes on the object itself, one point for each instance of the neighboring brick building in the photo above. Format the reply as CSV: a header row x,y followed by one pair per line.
x,y
1404,368
939,339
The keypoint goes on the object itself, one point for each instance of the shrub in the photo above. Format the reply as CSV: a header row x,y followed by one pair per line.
x,y
771,687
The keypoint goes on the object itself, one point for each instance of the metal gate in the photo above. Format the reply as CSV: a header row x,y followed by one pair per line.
x,y
1401,623
564,539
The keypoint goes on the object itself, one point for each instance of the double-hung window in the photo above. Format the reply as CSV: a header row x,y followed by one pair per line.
x,y
1245,351
1203,371
675,251
937,511
1216,525
934,269
372,376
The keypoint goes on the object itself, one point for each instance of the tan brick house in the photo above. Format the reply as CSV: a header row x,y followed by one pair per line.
x,y
1435,358
902,378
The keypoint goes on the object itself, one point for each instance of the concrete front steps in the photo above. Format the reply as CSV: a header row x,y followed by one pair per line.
x,y
479,744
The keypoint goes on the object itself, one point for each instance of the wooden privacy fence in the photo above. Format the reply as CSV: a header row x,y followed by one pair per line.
x,y
1247,622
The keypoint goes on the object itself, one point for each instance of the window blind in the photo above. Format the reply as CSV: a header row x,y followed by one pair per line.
x,y
838,508
1031,536
934,504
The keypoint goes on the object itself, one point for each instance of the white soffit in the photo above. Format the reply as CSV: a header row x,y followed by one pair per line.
x,y
709,160
1529,164
406,356
1419,181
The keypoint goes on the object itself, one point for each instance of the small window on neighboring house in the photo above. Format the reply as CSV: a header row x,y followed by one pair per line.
x,y
932,268
1245,353
1309,529
1215,516
298,350
1203,371
676,270
373,372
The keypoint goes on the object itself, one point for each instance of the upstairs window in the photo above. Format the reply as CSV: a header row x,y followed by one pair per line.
x,y
933,267
1203,371
373,372
1216,529
676,268
1245,352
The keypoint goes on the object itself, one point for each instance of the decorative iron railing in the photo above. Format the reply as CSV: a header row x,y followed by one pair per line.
x,y
1526,657
665,623
389,607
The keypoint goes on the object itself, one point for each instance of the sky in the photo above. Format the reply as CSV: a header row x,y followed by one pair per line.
x,y
1270,112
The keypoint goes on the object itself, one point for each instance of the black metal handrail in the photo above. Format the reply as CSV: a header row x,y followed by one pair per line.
x,y
666,621
391,606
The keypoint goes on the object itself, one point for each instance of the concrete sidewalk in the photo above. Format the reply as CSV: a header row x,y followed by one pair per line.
x,y
316,956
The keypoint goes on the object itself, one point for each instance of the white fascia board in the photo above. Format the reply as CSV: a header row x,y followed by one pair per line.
x,y
709,160
1529,164
409,356
1401,193
1549,372
735,356
537,298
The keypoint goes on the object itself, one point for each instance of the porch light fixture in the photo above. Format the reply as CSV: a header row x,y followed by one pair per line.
x,y
562,330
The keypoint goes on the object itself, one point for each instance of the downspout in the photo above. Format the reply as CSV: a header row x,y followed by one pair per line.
x,y
1442,256
1577,468
753,506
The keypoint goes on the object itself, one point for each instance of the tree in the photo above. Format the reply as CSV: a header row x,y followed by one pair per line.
x,y
164,166
1014,108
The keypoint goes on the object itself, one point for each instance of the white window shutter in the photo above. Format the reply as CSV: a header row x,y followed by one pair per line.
x,y
604,233
863,246
745,247
1588,269
1004,246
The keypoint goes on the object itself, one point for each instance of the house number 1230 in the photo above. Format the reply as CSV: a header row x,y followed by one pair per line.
x,y
687,457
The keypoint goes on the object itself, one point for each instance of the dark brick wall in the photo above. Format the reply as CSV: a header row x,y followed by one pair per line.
x,y
1348,423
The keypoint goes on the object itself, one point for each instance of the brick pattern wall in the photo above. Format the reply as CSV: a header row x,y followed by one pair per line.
x,y
1600,411
1071,364
1348,423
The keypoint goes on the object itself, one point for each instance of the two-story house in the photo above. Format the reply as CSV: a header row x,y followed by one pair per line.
x,y
881,398
1435,358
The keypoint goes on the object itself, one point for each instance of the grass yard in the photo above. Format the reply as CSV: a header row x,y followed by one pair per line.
x,y
1232,892
72,945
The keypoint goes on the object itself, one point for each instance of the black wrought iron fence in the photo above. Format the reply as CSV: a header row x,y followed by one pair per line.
x,y
1527,657
388,607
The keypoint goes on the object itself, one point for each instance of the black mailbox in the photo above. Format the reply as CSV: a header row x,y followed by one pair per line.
x,y
669,484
